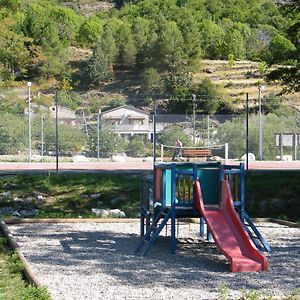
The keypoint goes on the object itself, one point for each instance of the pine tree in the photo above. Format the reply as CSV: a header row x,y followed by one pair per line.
x,y
98,67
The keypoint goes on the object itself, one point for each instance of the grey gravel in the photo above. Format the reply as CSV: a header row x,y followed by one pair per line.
x,y
96,261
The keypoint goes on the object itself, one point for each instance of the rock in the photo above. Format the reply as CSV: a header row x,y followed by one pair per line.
x,y
36,157
16,214
40,197
209,71
95,196
6,210
117,200
148,159
28,213
102,213
80,158
116,213
251,157
215,158
118,158
287,158
105,213
6,194
84,196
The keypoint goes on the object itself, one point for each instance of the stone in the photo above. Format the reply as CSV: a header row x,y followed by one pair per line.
x,y
95,196
28,213
118,158
6,194
16,214
251,157
287,158
116,213
80,158
148,159
102,213
6,210
40,197
215,158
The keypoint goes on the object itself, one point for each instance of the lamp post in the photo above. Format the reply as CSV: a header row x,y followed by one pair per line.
x,y
98,134
260,125
194,118
29,121
154,130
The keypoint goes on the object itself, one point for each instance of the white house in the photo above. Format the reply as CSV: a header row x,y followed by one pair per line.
x,y
128,121
65,115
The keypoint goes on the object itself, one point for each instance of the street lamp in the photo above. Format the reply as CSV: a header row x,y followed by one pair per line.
x,y
194,118
260,125
29,120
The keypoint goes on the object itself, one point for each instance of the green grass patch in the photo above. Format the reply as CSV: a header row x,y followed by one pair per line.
x,y
72,195
12,283
273,194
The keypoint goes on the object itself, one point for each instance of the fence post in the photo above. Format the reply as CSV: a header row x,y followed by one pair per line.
x,y
226,153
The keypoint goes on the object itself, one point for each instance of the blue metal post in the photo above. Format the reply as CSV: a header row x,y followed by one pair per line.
x,y
242,190
142,216
173,211
202,227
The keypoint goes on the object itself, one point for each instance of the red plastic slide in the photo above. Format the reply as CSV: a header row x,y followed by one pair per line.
x,y
229,233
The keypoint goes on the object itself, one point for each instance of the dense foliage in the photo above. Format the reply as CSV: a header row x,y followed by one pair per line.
x,y
35,35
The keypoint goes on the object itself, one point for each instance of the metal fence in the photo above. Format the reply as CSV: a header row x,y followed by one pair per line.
x,y
41,137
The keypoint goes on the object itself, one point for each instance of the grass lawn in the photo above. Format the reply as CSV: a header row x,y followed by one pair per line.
x,y
274,194
72,195
12,284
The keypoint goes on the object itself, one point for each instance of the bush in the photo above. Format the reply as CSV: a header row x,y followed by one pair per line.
x,y
136,147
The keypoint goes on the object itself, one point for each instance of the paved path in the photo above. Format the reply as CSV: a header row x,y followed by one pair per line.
x,y
130,166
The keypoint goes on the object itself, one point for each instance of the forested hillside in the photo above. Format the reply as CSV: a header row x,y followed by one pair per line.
x,y
154,46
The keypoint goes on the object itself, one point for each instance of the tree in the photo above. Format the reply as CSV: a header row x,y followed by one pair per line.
x,y
136,147
54,62
14,53
289,75
179,79
90,31
208,97
233,133
152,83
110,142
71,139
127,49
13,134
98,66
281,49
170,41
171,134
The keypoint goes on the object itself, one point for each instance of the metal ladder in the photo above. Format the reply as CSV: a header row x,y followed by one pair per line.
x,y
153,231
255,235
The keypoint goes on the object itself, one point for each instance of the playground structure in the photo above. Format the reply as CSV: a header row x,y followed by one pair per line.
x,y
213,192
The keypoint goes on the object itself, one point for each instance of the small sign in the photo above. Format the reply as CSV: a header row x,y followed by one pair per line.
x,y
287,139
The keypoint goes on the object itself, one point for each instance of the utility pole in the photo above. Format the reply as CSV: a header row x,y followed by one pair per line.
x,y
98,134
260,125
56,129
42,137
194,118
208,133
154,131
247,131
29,122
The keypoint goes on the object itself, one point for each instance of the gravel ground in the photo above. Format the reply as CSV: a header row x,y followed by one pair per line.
x,y
96,261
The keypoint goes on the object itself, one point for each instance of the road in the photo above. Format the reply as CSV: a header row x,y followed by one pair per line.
x,y
126,166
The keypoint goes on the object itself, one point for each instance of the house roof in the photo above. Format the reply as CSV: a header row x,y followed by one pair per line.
x,y
129,107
